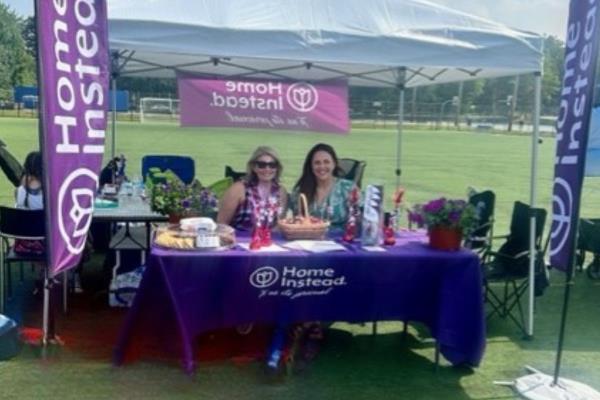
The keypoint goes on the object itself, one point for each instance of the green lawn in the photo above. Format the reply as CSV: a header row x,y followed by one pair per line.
x,y
434,162
353,364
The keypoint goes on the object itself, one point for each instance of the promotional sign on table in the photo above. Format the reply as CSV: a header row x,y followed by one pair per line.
x,y
573,122
264,104
73,76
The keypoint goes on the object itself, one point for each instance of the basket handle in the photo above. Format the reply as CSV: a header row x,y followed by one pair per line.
x,y
302,206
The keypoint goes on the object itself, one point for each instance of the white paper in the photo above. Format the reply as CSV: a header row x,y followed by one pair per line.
x,y
273,248
373,248
315,246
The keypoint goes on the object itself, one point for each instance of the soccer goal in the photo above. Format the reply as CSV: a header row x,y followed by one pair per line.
x,y
158,109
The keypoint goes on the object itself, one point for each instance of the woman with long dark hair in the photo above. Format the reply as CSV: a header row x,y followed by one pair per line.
x,y
320,182
29,193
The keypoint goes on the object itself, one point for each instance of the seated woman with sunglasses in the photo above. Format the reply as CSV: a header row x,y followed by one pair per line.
x,y
260,186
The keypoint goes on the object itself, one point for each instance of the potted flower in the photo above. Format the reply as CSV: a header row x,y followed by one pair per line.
x,y
177,200
446,220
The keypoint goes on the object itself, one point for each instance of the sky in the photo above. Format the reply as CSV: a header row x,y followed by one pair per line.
x,y
547,17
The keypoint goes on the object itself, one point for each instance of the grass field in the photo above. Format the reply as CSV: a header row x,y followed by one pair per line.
x,y
353,364
433,162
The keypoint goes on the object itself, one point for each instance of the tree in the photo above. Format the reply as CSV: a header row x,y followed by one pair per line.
x,y
16,65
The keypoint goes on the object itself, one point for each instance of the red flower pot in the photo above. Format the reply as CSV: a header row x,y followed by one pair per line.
x,y
445,238
175,218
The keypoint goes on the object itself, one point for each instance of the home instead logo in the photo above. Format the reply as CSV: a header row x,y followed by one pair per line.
x,y
266,96
75,205
295,282
561,220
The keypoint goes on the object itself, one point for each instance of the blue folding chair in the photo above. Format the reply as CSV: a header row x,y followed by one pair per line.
x,y
182,166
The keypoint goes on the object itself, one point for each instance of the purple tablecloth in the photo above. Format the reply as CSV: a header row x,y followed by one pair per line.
x,y
202,291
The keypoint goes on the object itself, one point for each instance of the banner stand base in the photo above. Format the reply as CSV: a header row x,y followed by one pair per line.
x,y
540,386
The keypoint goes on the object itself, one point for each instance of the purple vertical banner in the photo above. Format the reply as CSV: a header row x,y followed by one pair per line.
x,y
264,104
73,79
573,122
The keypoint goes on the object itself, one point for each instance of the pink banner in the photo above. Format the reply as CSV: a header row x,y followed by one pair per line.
x,y
264,104
73,78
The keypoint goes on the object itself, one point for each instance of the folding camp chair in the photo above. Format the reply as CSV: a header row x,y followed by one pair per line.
x,y
509,266
352,169
11,167
589,240
235,175
480,240
182,166
21,224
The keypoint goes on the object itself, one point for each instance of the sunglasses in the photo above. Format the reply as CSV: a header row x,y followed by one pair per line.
x,y
265,164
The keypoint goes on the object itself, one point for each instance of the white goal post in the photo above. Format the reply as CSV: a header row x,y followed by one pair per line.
x,y
158,109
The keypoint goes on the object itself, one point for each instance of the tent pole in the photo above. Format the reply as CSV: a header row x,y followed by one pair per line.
x,y
46,309
113,77
401,88
533,198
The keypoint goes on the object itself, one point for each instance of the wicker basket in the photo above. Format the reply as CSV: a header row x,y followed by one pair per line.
x,y
303,227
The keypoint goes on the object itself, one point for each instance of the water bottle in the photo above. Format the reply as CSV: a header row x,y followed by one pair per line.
x,y
276,347
138,186
274,358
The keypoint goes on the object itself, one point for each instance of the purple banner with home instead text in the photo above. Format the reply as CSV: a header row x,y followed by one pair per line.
x,y
73,78
573,122
264,104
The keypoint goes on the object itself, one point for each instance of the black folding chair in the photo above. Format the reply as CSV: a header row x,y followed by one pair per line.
x,y
11,167
589,241
480,240
20,224
509,266
235,175
352,169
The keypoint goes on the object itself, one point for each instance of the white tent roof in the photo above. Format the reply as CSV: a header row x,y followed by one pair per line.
x,y
366,41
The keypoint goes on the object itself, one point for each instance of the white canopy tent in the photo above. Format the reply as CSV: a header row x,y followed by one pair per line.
x,y
379,43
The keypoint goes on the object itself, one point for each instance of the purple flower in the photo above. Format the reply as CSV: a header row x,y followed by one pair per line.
x,y
185,203
454,216
434,205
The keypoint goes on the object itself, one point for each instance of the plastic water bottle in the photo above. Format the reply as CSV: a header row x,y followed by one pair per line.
x,y
138,186
274,358
276,347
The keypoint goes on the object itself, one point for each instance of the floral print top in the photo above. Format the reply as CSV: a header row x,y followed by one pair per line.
x,y
334,208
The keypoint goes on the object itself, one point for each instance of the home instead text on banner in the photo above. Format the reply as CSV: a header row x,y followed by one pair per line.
x,y
573,122
74,74
264,104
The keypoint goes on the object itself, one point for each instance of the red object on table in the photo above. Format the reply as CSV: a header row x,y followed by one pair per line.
x,y
256,241
350,232
264,234
389,237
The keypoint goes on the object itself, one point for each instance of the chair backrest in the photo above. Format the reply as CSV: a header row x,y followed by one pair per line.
x,y
518,239
11,167
182,166
235,175
22,223
220,187
484,203
352,169
589,235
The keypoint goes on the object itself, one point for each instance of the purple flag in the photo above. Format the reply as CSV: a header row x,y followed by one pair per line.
x,y
264,104
73,79
581,53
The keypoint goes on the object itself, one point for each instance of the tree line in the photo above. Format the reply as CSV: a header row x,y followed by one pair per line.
x,y
490,96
